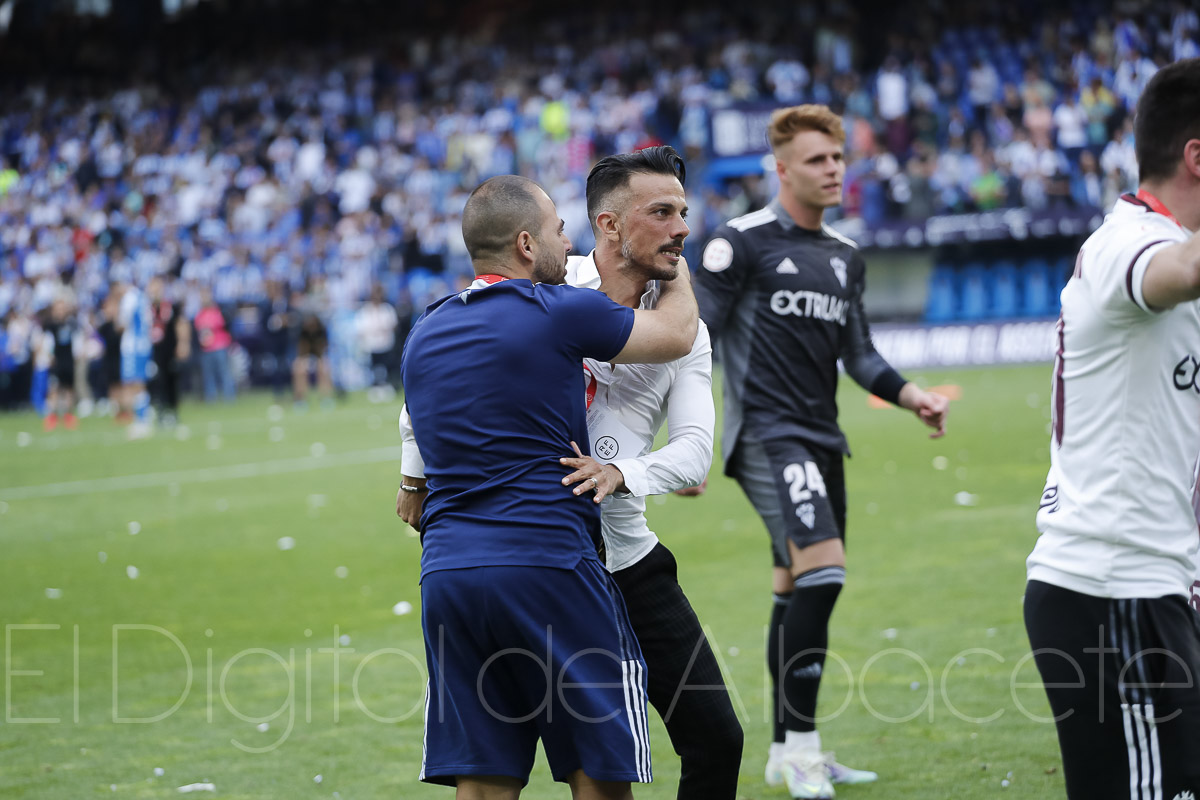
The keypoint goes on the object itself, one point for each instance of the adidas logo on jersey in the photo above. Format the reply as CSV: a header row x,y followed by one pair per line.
x,y
839,269
807,514
787,267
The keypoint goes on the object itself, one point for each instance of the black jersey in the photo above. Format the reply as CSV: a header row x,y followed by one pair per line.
x,y
783,305
63,333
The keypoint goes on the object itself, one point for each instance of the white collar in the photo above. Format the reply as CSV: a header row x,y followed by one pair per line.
x,y
582,272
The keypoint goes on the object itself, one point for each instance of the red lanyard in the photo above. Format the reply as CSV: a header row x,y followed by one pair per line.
x,y
589,386
1156,205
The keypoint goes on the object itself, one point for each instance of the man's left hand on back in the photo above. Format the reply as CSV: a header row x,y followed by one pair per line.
x,y
591,475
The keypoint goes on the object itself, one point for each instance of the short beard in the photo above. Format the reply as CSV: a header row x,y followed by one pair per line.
x,y
547,269
651,270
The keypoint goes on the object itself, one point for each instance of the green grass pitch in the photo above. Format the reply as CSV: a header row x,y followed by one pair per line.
x,y
160,632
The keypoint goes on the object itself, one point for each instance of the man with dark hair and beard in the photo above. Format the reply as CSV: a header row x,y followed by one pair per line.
x,y
509,564
637,208
1114,569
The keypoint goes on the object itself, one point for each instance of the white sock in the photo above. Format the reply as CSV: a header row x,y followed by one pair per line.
x,y
802,740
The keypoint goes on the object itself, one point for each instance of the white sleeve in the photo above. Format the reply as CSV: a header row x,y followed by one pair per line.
x,y
125,310
411,463
684,460
1116,269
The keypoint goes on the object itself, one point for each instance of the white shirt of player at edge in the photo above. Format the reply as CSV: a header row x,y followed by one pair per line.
x,y
1116,515
631,402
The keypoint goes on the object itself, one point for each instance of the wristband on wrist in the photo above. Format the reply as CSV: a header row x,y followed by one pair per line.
x,y
404,487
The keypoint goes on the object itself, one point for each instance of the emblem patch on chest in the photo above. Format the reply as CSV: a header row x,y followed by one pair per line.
x,y
839,269
787,267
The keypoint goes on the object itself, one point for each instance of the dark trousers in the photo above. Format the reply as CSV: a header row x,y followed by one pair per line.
x,y
685,683
1123,680
164,388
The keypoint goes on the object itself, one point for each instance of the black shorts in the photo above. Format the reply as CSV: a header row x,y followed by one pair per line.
x,y
1123,680
64,375
798,490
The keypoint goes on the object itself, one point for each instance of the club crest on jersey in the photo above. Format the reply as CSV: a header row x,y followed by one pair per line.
x,y
807,514
839,269
1185,796
787,267
718,255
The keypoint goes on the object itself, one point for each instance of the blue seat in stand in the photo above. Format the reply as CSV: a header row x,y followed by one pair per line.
x,y
940,305
1004,290
1037,289
974,292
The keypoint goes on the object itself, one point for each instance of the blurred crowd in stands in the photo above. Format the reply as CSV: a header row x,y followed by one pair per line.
x,y
286,215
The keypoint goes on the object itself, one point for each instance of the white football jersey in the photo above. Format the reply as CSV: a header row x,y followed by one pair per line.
x,y
1116,515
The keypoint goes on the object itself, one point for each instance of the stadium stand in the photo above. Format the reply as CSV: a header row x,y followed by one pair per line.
x,y
331,150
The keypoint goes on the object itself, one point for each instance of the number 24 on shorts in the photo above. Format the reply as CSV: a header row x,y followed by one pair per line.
x,y
803,480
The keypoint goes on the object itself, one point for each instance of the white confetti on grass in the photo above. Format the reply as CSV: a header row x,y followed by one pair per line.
x,y
274,412
102,556
53,594
24,439
135,528
890,633
213,442
263,727
195,787
341,572
317,449
915,685
966,499
159,772
734,652
402,608
940,462
318,778
132,572
344,640
275,434
285,543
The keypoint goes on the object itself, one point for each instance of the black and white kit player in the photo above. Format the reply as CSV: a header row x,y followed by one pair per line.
x,y
1106,605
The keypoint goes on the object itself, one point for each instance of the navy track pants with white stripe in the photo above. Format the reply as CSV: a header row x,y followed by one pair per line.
x,y
1123,680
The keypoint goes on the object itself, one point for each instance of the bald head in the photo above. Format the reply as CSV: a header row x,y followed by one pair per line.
x,y
496,213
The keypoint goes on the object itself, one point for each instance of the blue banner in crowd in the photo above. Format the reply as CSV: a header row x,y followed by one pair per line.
x,y
1003,224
